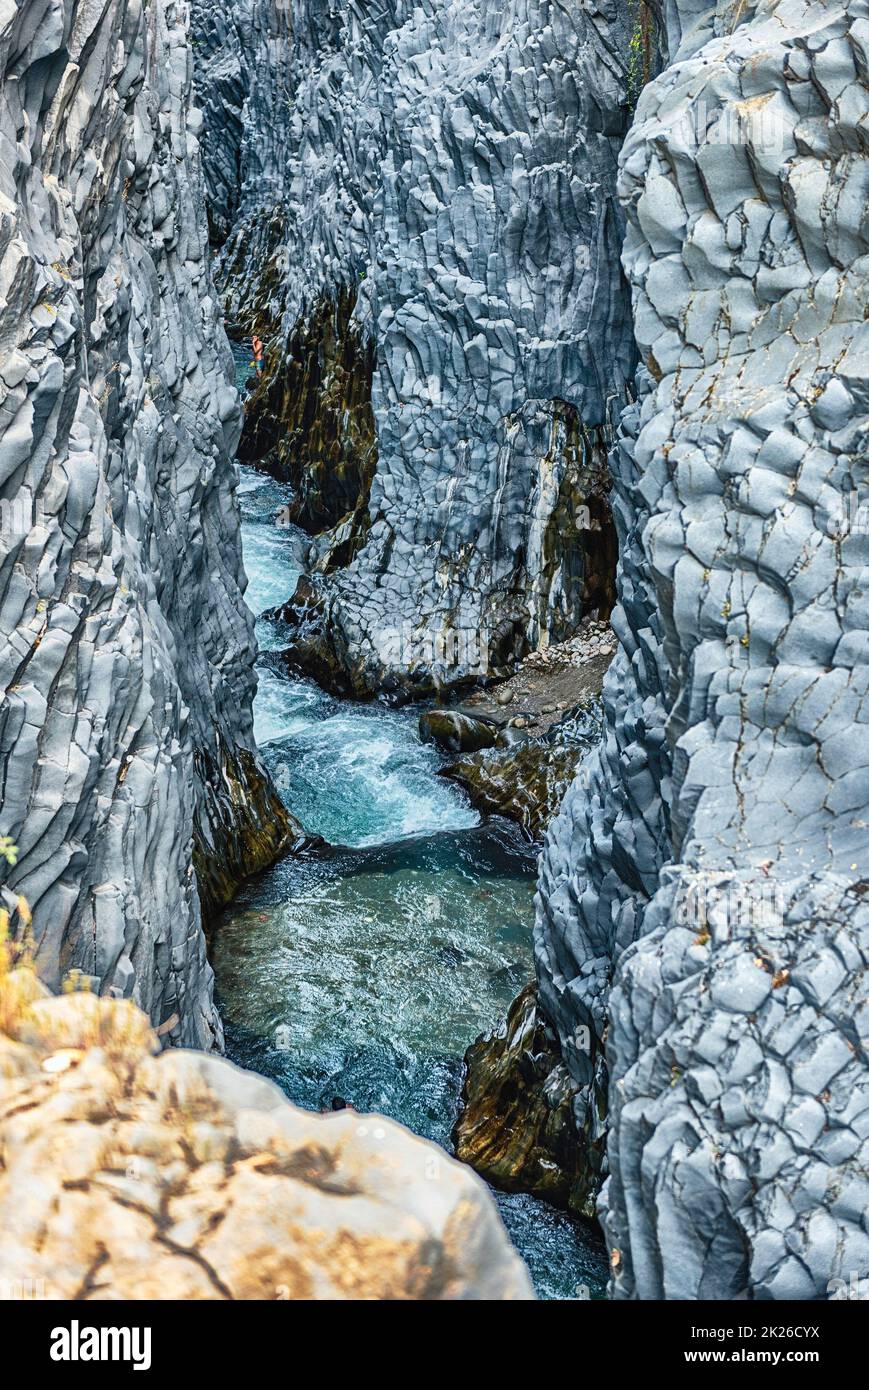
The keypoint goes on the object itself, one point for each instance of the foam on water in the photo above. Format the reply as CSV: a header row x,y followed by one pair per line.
x,y
365,974
271,548
283,707
357,775
363,778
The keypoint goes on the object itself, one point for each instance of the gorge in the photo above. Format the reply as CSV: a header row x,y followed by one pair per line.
x,y
564,312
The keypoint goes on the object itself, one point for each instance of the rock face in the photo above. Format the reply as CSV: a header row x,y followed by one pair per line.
x,y
454,344
457,731
243,84
604,851
127,670
516,1123
528,782
727,826
130,1176
241,53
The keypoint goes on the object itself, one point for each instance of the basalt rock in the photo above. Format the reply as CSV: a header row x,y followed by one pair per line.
x,y
526,783
708,895
127,1175
516,1125
290,268
126,740
460,292
236,835
242,84
458,732
605,848
309,420
527,780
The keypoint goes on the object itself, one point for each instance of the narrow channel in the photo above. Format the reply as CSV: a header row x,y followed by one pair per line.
x,y
362,976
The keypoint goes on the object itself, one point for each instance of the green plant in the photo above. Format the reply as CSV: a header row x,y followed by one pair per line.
x,y
639,49
8,851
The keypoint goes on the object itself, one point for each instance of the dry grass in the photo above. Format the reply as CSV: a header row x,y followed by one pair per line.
x,y
78,1019
19,987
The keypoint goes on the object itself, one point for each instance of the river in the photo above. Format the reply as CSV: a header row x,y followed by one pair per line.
x,y
365,974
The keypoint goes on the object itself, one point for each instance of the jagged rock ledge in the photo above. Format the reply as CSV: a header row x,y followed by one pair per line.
x,y
526,784
241,826
541,722
516,1126
309,420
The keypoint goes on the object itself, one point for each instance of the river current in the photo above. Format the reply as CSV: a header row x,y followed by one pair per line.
x,y
364,975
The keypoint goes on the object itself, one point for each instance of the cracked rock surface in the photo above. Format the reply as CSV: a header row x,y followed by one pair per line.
x,y
728,825
241,85
451,181
126,743
130,1176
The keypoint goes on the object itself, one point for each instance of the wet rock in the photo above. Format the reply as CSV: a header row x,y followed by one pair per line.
x,y
309,421
132,1176
457,732
516,1125
528,781
127,749
526,784
335,548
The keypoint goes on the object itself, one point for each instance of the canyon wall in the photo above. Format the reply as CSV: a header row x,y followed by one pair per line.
x,y
449,351
241,54
243,86
126,741
724,821
454,346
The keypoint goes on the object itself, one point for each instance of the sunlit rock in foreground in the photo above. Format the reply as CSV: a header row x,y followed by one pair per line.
x,y
135,1176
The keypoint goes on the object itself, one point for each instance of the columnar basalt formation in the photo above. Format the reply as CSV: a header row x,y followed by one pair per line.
x,y
290,268
240,54
604,851
126,738
728,828
242,84
449,263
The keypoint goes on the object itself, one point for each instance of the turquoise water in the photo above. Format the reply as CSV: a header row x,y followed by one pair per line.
x,y
365,974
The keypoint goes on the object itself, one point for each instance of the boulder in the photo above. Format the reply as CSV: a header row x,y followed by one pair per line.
x,y
132,1175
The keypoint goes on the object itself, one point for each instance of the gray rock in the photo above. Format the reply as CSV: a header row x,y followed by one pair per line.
x,y
706,904
126,741
243,87
449,183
